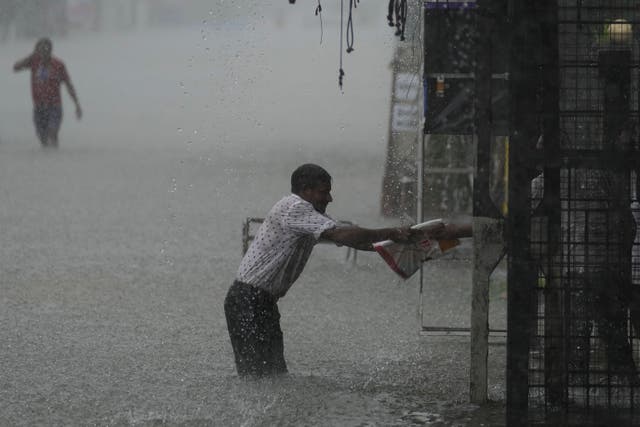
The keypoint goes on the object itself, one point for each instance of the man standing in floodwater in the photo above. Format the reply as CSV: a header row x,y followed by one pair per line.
x,y
47,75
278,255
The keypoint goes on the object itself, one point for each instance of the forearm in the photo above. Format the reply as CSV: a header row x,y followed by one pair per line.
x,y
359,238
368,247
456,231
72,93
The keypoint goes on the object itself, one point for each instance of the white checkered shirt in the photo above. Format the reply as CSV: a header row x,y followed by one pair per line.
x,y
282,245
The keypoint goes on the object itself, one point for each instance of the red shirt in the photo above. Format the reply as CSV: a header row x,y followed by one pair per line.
x,y
46,80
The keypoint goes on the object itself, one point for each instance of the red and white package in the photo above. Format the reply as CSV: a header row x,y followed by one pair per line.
x,y
405,258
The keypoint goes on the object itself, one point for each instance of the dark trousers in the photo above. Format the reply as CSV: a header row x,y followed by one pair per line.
x,y
253,321
47,120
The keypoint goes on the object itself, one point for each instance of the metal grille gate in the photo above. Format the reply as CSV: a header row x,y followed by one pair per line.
x,y
574,268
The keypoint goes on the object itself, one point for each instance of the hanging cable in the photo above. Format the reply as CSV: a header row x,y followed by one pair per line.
x,y
401,17
350,34
319,13
392,9
404,10
341,73
397,13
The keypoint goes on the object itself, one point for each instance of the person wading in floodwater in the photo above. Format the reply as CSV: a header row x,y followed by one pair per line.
x,y
47,75
277,256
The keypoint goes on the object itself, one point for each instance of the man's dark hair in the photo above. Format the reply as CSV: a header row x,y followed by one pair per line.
x,y
308,176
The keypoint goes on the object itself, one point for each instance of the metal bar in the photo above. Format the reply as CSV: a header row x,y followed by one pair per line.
x,y
584,22
470,76
610,6
449,170
420,161
588,159
574,63
556,302
483,208
449,329
523,65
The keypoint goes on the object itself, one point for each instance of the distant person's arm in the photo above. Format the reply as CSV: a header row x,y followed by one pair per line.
x,y
23,64
363,238
72,93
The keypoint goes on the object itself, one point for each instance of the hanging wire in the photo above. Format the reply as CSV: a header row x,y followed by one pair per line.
x,y
392,8
341,73
350,33
401,17
405,10
319,13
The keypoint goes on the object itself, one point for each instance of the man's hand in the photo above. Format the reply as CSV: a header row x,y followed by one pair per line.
x,y
435,231
406,235
78,112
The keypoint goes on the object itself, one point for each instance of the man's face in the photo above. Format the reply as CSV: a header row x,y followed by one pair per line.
x,y
319,196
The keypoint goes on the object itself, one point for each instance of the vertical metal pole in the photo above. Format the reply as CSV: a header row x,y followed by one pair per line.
x,y
557,290
420,210
521,275
420,171
487,220
420,160
479,319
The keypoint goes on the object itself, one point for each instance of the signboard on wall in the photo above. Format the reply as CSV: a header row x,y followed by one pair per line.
x,y
404,112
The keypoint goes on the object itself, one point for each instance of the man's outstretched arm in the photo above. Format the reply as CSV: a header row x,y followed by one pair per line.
x,y
72,93
453,231
363,238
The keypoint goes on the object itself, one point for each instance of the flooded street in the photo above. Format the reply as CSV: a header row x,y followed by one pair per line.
x,y
119,247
